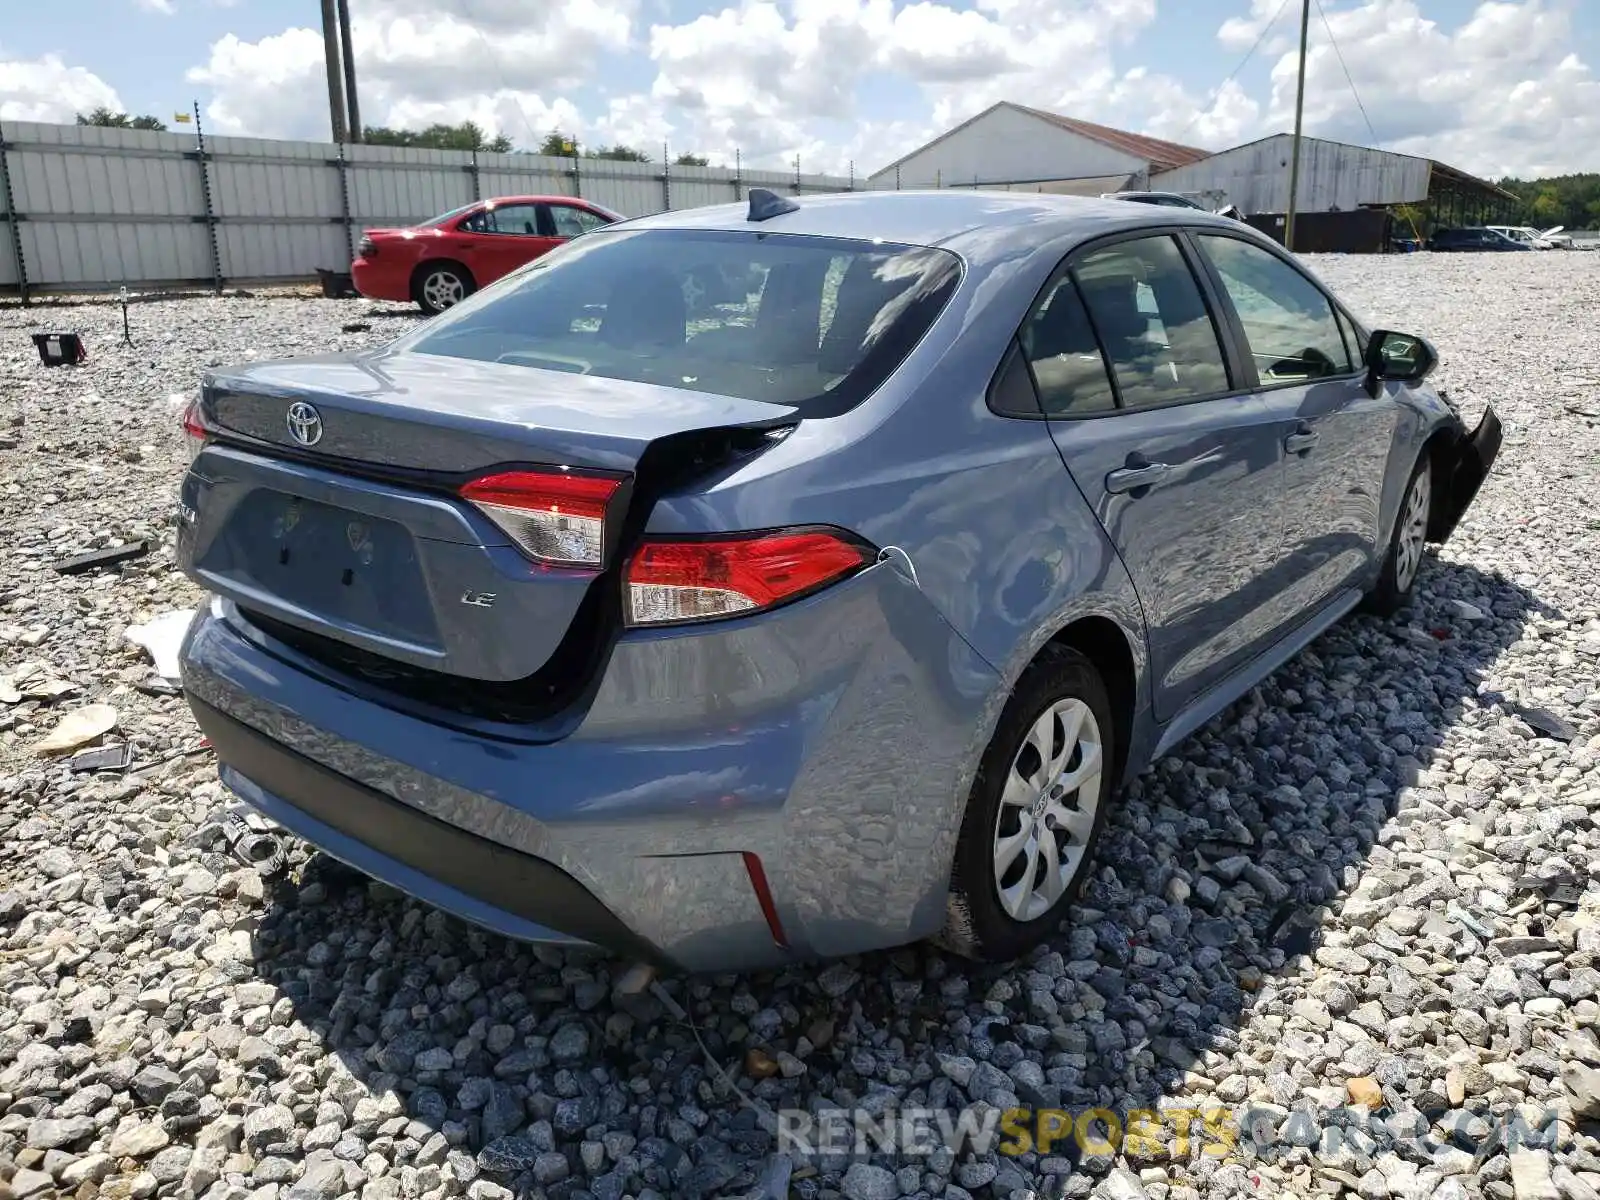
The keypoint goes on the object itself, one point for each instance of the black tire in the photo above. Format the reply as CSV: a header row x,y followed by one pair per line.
x,y
1397,584
978,926
432,279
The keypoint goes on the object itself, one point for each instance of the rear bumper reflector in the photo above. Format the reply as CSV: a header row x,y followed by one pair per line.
x,y
769,910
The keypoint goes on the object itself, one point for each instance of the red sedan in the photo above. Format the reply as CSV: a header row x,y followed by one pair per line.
x,y
441,262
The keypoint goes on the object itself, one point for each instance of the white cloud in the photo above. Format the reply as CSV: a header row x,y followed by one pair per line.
x,y
164,7
507,71
46,89
1502,94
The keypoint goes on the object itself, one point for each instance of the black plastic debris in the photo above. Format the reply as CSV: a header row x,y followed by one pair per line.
x,y
109,557
355,327
337,285
1563,887
103,758
1544,721
60,349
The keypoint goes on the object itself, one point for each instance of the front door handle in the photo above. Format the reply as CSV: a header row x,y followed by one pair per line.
x,y
1300,441
1131,479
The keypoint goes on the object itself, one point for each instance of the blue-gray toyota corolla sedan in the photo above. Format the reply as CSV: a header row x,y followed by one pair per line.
x,y
796,578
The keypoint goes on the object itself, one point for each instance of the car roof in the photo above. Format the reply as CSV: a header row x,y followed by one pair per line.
x,y
976,224
492,201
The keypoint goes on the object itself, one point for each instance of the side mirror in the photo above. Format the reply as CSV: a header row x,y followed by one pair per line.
x,y
1400,357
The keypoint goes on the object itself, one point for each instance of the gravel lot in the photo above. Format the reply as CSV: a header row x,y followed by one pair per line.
x,y
1324,898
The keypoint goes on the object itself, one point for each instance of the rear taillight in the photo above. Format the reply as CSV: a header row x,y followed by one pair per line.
x,y
366,248
195,432
672,581
555,516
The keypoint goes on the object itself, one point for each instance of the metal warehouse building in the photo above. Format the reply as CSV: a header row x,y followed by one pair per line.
x,y
1336,177
1011,146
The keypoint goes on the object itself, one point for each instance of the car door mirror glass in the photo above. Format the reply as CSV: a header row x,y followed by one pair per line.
x,y
1402,357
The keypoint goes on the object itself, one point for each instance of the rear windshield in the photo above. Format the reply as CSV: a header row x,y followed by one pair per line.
x,y
818,323
445,216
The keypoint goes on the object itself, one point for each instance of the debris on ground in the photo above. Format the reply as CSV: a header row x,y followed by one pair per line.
x,y
163,637
110,556
78,728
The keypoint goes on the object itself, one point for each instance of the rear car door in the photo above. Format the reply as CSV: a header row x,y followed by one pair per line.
x,y
1337,438
515,234
1183,469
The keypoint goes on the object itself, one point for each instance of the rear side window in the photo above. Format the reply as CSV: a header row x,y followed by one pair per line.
x,y
1153,322
1060,347
1287,320
817,323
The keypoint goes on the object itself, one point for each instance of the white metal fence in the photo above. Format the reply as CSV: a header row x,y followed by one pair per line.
x,y
88,208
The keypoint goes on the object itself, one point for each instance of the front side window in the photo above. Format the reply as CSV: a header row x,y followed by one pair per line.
x,y
570,221
1059,345
1289,323
1153,322
818,323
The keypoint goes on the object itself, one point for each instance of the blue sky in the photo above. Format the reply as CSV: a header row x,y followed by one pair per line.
x,y
1509,86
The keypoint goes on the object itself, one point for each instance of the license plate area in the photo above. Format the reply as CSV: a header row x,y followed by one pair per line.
x,y
346,568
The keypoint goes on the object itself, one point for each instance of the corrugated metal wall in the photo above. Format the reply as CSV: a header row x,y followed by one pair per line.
x,y
1332,175
100,208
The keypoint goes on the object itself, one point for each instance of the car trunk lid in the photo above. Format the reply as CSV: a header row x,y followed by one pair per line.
x,y
329,498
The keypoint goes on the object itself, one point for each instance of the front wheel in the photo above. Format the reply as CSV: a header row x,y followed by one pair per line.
x,y
1402,560
441,286
1036,811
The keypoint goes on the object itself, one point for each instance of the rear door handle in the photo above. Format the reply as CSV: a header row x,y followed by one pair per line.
x,y
1300,441
1131,479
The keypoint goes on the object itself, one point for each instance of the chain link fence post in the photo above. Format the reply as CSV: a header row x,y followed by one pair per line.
x,y
209,216
11,223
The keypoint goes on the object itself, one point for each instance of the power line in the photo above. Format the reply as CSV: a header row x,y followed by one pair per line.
x,y
1243,62
471,19
1377,145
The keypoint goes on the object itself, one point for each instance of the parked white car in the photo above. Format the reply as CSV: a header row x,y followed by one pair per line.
x,y
1550,239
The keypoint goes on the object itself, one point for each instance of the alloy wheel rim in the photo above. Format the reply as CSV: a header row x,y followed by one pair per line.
x,y
1413,531
442,289
1047,810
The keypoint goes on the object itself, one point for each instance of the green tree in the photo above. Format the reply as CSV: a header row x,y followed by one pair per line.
x,y
691,160
558,145
107,118
618,153
1572,201
466,136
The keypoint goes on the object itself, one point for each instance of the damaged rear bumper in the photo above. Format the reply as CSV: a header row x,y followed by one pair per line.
x,y
1466,466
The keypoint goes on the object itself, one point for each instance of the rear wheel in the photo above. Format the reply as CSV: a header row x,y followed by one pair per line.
x,y
1402,561
441,285
1036,811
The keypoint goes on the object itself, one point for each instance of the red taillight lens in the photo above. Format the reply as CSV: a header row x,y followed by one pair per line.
x,y
668,582
195,433
555,517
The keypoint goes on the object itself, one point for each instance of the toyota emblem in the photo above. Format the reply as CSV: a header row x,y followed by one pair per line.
x,y
305,423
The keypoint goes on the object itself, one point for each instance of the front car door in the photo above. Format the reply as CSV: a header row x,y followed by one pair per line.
x,y
567,221
1337,438
1183,469
512,236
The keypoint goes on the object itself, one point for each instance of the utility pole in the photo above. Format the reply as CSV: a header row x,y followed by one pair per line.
x,y
1299,119
330,51
352,109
